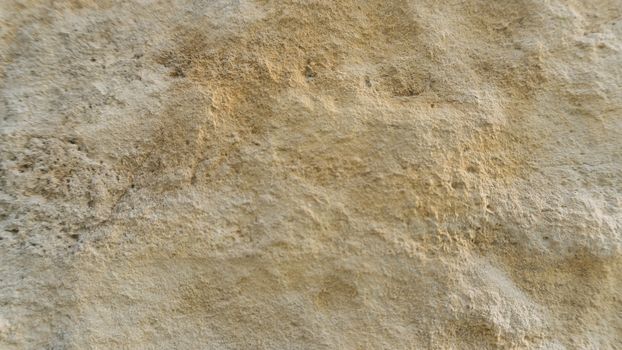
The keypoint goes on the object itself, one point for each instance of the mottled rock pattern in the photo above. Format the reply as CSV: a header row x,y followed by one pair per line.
x,y
253,174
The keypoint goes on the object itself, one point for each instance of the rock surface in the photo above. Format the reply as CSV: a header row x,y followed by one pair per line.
x,y
253,174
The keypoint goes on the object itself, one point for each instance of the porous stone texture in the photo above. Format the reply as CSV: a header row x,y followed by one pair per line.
x,y
253,174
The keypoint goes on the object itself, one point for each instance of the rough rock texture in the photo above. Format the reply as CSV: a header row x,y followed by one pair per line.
x,y
253,174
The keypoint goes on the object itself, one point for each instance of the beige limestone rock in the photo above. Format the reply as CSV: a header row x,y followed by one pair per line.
x,y
253,174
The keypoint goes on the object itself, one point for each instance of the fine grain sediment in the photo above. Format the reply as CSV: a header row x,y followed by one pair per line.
x,y
257,174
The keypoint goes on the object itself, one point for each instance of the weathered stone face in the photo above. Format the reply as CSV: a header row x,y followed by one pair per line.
x,y
258,174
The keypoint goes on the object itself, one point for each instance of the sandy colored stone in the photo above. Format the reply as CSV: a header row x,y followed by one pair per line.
x,y
253,174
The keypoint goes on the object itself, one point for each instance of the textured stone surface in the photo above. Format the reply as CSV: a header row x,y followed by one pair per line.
x,y
251,174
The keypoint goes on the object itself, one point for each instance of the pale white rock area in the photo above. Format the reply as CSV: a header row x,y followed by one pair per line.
x,y
310,174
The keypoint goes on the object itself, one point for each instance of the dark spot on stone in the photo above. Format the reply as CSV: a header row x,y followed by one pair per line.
x,y
471,169
177,72
457,185
309,73
75,236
